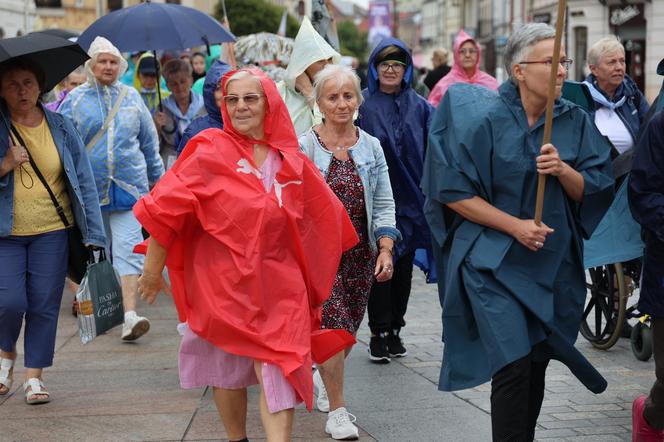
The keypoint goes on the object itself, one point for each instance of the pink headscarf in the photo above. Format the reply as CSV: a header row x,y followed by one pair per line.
x,y
458,75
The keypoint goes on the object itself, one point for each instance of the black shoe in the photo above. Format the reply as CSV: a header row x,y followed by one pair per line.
x,y
378,351
395,346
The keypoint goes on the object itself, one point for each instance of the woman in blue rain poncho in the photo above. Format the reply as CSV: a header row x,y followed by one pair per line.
x,y
395,114
513,292
124,154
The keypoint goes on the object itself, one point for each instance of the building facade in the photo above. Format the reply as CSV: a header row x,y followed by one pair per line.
x,y
16,16
76,15
638,23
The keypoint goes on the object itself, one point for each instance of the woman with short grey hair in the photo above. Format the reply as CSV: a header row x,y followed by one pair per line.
x,y
513,291
179,109
521,43
620,107
343,75
353,164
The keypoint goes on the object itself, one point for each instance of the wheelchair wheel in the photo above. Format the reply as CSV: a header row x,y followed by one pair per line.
x,y
641,341
604,313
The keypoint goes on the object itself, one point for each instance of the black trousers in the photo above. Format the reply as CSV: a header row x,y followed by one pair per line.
x,y
388,300
654,409
517,392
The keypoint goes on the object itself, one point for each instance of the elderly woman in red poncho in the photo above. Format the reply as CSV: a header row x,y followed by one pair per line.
x,y
252,237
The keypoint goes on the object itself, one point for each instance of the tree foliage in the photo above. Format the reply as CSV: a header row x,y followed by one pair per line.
x,y
352,41
252,16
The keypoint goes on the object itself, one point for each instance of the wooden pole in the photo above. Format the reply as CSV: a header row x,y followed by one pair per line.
x,y
551,98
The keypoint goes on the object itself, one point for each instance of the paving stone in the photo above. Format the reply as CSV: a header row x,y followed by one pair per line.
x,y
557,433
601,430
112,390
579,415
550,425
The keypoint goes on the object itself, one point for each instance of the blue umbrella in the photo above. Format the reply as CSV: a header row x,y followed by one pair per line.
x,y
151,26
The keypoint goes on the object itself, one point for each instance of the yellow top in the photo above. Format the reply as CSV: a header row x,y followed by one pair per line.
x,y
34,211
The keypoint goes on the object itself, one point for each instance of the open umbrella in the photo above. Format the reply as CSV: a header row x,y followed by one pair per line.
x,y
152,26
59,32
55,56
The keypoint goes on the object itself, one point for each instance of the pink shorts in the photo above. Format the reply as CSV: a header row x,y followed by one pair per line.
x,y
202,364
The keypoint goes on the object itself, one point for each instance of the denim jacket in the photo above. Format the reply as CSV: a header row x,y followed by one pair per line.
x,y
80,182
371,166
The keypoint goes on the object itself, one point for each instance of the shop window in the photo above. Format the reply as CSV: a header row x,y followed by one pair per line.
x,y
113,5
48,3
580,53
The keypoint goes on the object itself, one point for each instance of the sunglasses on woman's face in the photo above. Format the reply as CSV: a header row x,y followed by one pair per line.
x,y
249,99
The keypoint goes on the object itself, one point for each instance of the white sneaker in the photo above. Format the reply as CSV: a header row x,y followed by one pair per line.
x,y
134,327
340,425
322,402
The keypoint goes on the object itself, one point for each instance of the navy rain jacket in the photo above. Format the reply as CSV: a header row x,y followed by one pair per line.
x,y
401,122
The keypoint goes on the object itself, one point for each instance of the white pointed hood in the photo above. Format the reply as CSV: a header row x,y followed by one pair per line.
x,y
309,47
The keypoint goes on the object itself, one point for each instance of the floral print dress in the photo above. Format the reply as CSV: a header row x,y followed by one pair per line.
x,y
347,304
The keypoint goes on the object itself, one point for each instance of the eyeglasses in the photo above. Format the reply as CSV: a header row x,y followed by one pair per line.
x,y
565,62
396,66
468,51
249,99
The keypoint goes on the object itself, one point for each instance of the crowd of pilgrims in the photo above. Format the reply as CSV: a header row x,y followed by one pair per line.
x,y
285,211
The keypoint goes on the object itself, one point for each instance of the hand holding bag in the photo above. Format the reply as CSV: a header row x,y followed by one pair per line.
x,y
100,300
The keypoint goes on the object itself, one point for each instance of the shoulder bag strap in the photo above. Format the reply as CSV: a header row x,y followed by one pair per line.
x,y
109,118
58,207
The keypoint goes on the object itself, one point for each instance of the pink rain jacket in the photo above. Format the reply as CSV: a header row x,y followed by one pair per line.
x,y
458,75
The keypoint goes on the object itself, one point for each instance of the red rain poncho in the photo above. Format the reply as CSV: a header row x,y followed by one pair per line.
x,y
250,269
458,75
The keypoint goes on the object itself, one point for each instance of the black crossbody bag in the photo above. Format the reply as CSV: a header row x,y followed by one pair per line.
x,y
79,255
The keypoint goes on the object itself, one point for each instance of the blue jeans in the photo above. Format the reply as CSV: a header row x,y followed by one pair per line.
x,y
32,277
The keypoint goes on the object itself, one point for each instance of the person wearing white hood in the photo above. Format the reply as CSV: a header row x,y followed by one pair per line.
x,y
123,146
311,53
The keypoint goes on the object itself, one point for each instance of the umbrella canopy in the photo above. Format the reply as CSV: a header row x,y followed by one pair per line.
x,y
58,32
150,26
56,56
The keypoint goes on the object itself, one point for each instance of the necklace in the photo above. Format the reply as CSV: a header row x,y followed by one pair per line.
x,y
337,148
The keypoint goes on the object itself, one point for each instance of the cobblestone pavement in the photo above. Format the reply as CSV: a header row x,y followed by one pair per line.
x,y
109,390
569,412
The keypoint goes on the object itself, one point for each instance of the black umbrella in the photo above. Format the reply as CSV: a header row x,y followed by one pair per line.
x,y
56,56
58,32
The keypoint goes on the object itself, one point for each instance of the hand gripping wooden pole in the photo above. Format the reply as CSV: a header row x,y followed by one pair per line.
x,y
551,98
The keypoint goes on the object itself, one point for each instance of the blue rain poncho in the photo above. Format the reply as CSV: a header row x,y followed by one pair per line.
x,y
500,300
401,122
125,160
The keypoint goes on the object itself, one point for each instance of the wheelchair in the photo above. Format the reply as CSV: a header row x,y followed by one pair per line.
x,y
612,258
